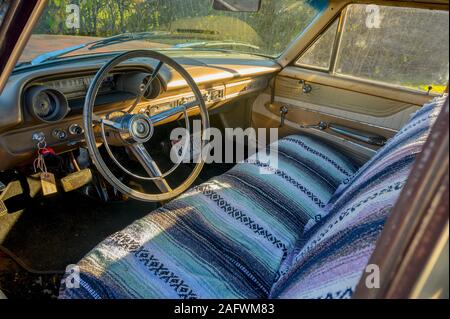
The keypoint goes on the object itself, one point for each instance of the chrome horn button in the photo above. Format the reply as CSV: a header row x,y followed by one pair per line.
x,y
134,129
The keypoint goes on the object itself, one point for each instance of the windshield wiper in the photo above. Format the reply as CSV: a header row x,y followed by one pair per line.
x,y
121,38
54,54
127,37
212,44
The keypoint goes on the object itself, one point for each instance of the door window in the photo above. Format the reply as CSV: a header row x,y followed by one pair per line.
x,y
399,46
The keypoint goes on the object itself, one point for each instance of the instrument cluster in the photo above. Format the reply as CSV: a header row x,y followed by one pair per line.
x,y
77,87
51,100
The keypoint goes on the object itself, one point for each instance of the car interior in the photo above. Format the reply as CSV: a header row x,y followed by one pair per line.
x,y
89,189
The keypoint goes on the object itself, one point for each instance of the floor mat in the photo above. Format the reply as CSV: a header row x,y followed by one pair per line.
x,y
18,284
47,235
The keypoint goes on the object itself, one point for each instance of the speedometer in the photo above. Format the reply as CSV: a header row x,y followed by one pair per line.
x,y
74,88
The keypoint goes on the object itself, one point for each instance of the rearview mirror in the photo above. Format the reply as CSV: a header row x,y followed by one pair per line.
x,y
237,5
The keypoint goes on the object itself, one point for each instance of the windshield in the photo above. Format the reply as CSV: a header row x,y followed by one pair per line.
x,y
169,25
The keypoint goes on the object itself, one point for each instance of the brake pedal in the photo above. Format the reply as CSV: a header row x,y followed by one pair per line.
x,y
3,208
76,180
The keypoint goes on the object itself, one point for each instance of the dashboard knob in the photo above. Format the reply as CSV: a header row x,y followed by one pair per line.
x,y
75,129
59,134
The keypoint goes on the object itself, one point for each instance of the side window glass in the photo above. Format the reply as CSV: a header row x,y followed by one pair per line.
x,y
406,47
319,55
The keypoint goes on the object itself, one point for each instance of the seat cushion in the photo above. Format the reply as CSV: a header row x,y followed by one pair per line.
x,y
329,259
225,238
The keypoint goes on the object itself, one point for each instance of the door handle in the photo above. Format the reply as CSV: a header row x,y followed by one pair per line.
x,y
362,136
359,135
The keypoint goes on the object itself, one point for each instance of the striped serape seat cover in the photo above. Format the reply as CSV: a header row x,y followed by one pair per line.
x,y
306,230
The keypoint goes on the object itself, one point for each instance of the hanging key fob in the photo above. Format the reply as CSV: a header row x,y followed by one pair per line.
x,y
48,183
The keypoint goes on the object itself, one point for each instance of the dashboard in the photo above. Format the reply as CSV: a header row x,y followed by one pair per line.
x,y
49,99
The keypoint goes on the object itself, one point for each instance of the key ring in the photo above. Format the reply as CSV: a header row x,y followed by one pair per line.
x,y
42,145
39,162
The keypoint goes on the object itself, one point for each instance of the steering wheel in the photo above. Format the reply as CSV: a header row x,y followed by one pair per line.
x,y
132,130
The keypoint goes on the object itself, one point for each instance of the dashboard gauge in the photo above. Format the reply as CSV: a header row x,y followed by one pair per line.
x,y
46,104
77,87
133,82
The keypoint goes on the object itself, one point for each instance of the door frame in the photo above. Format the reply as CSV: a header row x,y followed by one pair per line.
x,y
15,31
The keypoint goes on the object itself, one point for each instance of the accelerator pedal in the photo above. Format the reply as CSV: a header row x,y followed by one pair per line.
x,y
76,180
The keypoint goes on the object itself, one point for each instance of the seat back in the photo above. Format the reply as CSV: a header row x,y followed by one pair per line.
x,y
332,254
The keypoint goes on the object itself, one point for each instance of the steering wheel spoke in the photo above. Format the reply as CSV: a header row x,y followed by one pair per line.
x,y
145,87
112,124
150,166
106,122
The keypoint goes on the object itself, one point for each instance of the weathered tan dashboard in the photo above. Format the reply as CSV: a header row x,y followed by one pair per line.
x,y
221,79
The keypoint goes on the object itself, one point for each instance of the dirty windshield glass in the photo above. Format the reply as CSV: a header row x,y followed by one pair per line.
x,y
169,25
